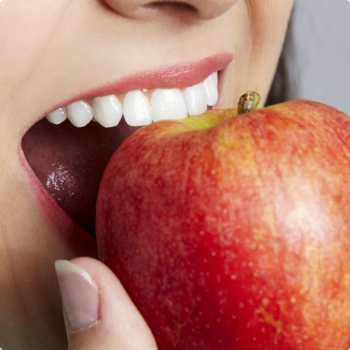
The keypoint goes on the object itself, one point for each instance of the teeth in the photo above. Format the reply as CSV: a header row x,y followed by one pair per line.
x,y
137,109
215,77
79,114
195,99
107,110
58,116
211,90
168,104
165,104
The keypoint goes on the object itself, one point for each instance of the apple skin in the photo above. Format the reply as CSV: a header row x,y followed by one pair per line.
x,y
234,232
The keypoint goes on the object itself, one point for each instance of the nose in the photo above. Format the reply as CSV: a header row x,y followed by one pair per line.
x,y
202,9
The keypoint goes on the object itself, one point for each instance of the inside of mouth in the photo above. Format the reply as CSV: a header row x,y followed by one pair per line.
x,y
70,162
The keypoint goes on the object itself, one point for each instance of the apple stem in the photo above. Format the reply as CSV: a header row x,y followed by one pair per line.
x,y
248,102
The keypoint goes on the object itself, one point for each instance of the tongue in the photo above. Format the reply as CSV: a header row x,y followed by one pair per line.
x,y
70,162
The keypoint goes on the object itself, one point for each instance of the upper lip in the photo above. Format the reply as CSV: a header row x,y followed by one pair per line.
x,y
179,75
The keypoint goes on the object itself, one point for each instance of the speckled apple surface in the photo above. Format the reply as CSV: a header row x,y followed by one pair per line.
x,y
234,233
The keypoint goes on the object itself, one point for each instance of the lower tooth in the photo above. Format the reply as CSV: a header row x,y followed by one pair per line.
x,y
137,109
58,116
168,104
79,114
107,111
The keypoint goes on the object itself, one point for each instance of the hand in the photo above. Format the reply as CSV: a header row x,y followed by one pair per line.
x,y
98,313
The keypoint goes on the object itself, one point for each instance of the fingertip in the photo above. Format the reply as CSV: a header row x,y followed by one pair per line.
x,y
117,321
80,296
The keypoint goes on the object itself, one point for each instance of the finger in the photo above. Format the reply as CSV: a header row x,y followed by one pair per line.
x,y
25,29
98,312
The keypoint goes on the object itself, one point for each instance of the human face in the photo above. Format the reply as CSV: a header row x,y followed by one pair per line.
x,y
56,53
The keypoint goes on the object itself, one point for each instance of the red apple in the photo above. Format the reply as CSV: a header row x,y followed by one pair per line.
x,y
234,232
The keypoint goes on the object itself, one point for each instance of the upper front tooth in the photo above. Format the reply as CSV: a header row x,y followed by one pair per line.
x,y
58,116
215,77
195,99
211,90
137,109
107,110
168,104
79,113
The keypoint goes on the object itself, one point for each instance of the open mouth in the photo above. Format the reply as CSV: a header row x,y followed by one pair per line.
x,y
70,148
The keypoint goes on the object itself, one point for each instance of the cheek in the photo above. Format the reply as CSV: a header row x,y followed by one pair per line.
x,y
260,45
269,20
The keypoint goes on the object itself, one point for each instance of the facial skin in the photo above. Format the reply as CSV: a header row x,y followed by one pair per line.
x,y
52,51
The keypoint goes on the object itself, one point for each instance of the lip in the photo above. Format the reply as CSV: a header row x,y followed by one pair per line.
x,y
179,75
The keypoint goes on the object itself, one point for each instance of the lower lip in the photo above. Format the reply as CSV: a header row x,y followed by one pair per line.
x,y
79,242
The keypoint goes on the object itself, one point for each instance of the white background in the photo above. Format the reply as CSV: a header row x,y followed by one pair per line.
x,y
321,52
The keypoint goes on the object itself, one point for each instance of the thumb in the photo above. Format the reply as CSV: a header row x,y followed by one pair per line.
x,y
98,313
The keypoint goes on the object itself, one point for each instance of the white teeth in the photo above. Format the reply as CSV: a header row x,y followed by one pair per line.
x,y
211,90
195,99
165,104
79,114
168,104
58,116
215,77
107,110
137,109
